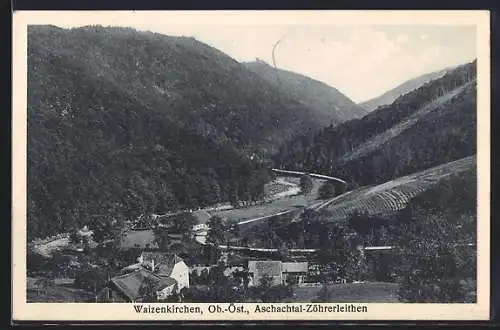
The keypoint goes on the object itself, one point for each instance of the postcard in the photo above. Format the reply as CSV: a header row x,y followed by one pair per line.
x,y
251,165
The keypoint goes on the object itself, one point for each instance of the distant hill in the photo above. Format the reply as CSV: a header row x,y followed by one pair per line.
x,y
122,121
406,87
329,105
434,124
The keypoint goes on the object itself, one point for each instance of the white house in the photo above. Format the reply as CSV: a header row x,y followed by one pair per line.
x,y
201,227
166,273
166,265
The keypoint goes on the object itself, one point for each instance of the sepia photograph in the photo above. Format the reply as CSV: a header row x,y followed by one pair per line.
x,y
246,165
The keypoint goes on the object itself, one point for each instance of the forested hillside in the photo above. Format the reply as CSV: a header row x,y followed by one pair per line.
x,y
329,105
122,122
406,87
432,125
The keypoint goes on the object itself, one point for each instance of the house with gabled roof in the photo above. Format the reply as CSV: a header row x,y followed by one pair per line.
x,y
134,286
278,272
166,264
257,269
163,273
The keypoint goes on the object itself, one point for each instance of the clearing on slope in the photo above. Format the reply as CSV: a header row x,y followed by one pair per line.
x,y
382,138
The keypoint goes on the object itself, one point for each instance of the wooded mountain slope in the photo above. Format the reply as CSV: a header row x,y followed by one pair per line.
x,y
406,87
121,121
329,105
434,124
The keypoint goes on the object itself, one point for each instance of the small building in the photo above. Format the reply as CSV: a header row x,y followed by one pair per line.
x,y
166,264
294,270
200,229
85,233
258,269
278,272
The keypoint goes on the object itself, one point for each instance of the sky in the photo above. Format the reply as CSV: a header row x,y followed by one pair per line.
x,y
361,61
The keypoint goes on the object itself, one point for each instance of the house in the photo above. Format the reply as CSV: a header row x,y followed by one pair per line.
x,y
166,264
257,269
162,273
278,272
200,229
294,270
133,286
85,234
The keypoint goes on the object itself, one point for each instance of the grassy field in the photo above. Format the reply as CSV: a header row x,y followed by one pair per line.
x,y
276,206
369,292
394,195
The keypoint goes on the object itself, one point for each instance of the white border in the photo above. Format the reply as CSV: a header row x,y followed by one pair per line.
x,y
118,312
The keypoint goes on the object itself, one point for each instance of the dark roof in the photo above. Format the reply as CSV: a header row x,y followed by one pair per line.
x,y
164,261
202,216
130,284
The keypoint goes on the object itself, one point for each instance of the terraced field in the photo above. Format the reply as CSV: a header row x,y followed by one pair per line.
x,y
393,196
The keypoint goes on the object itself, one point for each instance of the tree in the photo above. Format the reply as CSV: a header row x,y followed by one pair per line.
x,y
215,235
336,256
264,286
184,223
204,276
211,253
283,252
91,279
162,238
360,223
432,268
221,286
306,184
327,190
105,228
265,282
35,262
194,278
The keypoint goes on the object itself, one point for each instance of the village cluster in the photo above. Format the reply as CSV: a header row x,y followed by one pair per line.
x,y
169,273
164,273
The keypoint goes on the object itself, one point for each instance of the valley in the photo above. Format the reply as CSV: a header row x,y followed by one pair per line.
x,y
174,172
